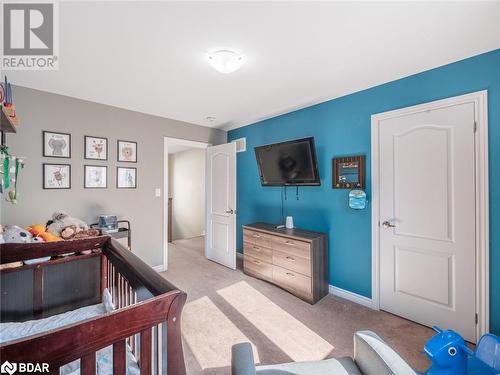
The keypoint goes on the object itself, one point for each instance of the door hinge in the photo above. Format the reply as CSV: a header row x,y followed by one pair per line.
x,y
475,126
477,319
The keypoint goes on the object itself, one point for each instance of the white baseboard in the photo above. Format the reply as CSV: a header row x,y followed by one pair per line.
x,y
350,296
159,268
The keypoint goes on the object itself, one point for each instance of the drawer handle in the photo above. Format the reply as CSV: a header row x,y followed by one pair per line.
x,y
256,261
290,258
256,235
290,243
290,274
256,248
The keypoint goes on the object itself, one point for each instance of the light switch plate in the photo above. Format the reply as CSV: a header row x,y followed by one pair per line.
x,y
157,192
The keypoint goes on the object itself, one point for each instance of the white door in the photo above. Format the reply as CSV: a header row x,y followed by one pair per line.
x,y
427,217
220,239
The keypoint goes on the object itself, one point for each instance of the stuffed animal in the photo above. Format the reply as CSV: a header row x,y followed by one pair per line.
x,y
15,234
40,231
61,220
72,232
7,265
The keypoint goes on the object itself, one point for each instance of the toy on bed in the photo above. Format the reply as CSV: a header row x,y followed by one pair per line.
x,y
40,231
61,220
15,234
450,355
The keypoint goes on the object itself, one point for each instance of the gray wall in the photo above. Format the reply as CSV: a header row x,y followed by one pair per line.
x,y
186,171
39,111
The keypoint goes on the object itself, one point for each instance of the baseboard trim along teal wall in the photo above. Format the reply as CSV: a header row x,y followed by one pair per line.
x,y
342,127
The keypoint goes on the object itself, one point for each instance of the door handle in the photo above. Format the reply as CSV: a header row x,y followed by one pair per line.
x,y
230,212
388,224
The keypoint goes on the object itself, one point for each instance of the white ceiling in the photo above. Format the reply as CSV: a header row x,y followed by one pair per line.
x,y
150,56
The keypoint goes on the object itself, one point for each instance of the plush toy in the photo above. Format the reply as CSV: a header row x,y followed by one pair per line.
x,y
61,220
7,265
40,231
15,234
73,232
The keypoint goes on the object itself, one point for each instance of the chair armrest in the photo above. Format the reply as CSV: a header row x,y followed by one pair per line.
x,y
242,362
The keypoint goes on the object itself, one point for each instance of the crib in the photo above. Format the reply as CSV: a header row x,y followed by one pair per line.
x,y
145,322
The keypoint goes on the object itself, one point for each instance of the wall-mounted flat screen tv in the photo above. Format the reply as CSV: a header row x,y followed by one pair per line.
x,y
288,163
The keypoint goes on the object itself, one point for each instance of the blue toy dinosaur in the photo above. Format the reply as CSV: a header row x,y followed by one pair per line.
x,y
450,355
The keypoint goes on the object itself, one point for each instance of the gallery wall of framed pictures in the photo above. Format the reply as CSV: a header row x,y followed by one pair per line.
x,y
95,148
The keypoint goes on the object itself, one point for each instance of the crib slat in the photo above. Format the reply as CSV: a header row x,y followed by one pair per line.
x,y
119,360
88,364
145,362
104,273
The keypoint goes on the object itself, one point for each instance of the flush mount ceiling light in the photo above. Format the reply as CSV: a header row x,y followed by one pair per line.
x,y
225,60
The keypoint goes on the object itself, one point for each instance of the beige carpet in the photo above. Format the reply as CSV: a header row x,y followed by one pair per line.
x,y
225,307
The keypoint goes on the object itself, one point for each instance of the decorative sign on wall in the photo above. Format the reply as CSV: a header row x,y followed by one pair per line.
x,y
56,176
56,145
96,148
349,172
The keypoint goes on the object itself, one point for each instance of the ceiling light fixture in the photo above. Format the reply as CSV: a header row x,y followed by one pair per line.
x,y
225,60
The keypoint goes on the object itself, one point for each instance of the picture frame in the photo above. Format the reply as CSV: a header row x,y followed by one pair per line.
x,y
95,148
56,176
56,144
127,151
95,177
126,178
349,172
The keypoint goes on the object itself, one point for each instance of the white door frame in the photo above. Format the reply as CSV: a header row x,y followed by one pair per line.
x,y
166,142
480,100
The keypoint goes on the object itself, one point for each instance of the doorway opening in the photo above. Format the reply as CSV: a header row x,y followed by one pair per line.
x,y
184,187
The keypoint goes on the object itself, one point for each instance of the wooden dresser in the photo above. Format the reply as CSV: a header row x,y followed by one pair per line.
x,y
294,259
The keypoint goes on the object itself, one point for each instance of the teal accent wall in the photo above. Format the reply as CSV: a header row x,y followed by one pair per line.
x,y
342,127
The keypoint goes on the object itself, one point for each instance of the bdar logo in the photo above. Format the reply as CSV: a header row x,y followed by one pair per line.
x,y
8,368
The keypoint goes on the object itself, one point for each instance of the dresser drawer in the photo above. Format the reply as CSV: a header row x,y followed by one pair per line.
x,y
292,262
259,252
255,237
292,247
292,280
257,267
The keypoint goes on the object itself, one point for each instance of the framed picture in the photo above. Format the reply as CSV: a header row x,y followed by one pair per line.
x,y
56,176
56,145
126,178
127,151
349,172
96,177
96,148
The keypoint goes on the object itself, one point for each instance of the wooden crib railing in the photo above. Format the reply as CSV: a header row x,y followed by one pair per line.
x,y
147,315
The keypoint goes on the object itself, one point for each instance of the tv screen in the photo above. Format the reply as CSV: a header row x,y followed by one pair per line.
x,y
288,163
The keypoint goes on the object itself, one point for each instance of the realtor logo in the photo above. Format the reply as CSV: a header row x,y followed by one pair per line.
x,y
30,36
8,368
